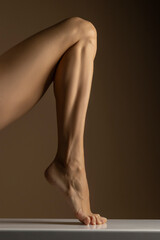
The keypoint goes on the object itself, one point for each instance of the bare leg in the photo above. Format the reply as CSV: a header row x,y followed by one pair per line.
x,y
24,77
72,80
25,69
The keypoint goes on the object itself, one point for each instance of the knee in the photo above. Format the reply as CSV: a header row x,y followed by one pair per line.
x,y
86,31
84,28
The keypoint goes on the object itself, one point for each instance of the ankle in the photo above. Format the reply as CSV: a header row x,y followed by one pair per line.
x,y
71,164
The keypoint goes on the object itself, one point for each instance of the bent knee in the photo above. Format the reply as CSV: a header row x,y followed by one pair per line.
x,y
85,27
87,34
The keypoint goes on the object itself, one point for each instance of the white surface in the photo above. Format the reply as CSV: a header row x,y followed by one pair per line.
x,y
73,225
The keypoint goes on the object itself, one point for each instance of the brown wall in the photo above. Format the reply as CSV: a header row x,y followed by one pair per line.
x,y
122,126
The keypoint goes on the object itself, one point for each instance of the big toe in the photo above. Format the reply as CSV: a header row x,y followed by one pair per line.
x,y
82,217
87,220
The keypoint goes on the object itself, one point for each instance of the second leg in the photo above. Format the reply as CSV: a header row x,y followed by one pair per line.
x,y
72,88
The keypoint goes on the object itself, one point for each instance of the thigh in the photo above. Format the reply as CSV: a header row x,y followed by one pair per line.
x,y
25,68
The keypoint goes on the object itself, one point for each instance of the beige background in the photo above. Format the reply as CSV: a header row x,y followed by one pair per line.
x,y
122,126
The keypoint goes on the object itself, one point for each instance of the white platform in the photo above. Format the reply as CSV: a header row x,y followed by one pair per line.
x,y
40,229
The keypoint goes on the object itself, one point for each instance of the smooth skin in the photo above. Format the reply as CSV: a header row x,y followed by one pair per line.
x,y
63,54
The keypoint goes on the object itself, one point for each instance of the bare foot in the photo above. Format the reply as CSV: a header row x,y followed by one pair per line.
x,y
73,182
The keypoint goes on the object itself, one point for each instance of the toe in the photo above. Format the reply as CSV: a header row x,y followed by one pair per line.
x,y
98,221
87,220
103,219
93,219
82,217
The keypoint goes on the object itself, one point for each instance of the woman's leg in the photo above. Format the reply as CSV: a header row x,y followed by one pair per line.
x,y
72,87
25,75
